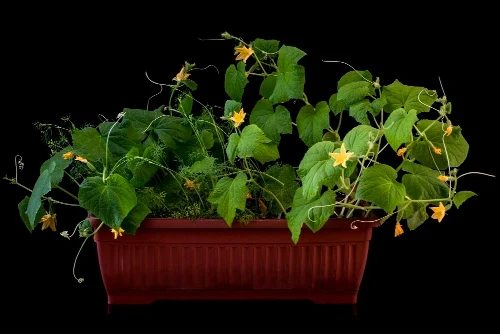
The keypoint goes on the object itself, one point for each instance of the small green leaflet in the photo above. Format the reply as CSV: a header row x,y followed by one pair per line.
x,y
290,78
398,126
232,146
186,104
204,166
336,106
272,122
235,81
415,214
407,97
171,129
230,107
356,140
456,146
228,195
423,182
314,219
312,121
378,185
359,111
122,137
134,218
285,191
377,105
268,84
23,207
142,168
110,201
316,169
461,197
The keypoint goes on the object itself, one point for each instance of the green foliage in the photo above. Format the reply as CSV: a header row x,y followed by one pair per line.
x,y
189,160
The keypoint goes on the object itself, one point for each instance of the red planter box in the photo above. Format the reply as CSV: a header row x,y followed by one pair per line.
x,y
173,259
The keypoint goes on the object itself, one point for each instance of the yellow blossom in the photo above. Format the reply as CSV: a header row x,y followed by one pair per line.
x,y
247,74
439,212
443,178
117,233
437,150
342,157
398,230
181,75
249,196
190,184
238,117
401,152
49,220
244,53
82,159
448,130
68,155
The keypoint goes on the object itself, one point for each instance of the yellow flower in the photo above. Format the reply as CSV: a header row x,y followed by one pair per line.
x,y
81,159
443,178
249,196
398,230
181,75
238,117
342,157
68,155
49,220
117,233
439,212
401,152
190,185
244,53
448,130
437,150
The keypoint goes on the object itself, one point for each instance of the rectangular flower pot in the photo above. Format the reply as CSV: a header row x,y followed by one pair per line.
x,y
179,259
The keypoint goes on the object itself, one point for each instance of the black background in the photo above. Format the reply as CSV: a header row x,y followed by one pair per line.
x,y
83,64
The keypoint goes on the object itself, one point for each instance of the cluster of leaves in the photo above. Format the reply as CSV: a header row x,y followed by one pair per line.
x,y
181,160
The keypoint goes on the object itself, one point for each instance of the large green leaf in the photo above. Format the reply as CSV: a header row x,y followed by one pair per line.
x,y
122,137
414,213
171,130
253,143
354,92
312,121
290,78
356,140
456,145
42,187
378,185
283,191
232,146
461,197
423,182
141,120
235,81
228,195
354,76
264,47
61,164
398,127
204,166
134,218
88,143
110,201
402,96
23,207
314,219
316,169
273,123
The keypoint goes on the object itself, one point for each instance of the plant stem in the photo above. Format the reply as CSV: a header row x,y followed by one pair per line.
x,y
67,192
272,194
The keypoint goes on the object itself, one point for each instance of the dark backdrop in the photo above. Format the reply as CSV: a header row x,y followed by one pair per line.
x,y
58,67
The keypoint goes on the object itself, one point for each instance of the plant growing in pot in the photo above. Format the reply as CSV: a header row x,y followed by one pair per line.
x,y
192,201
